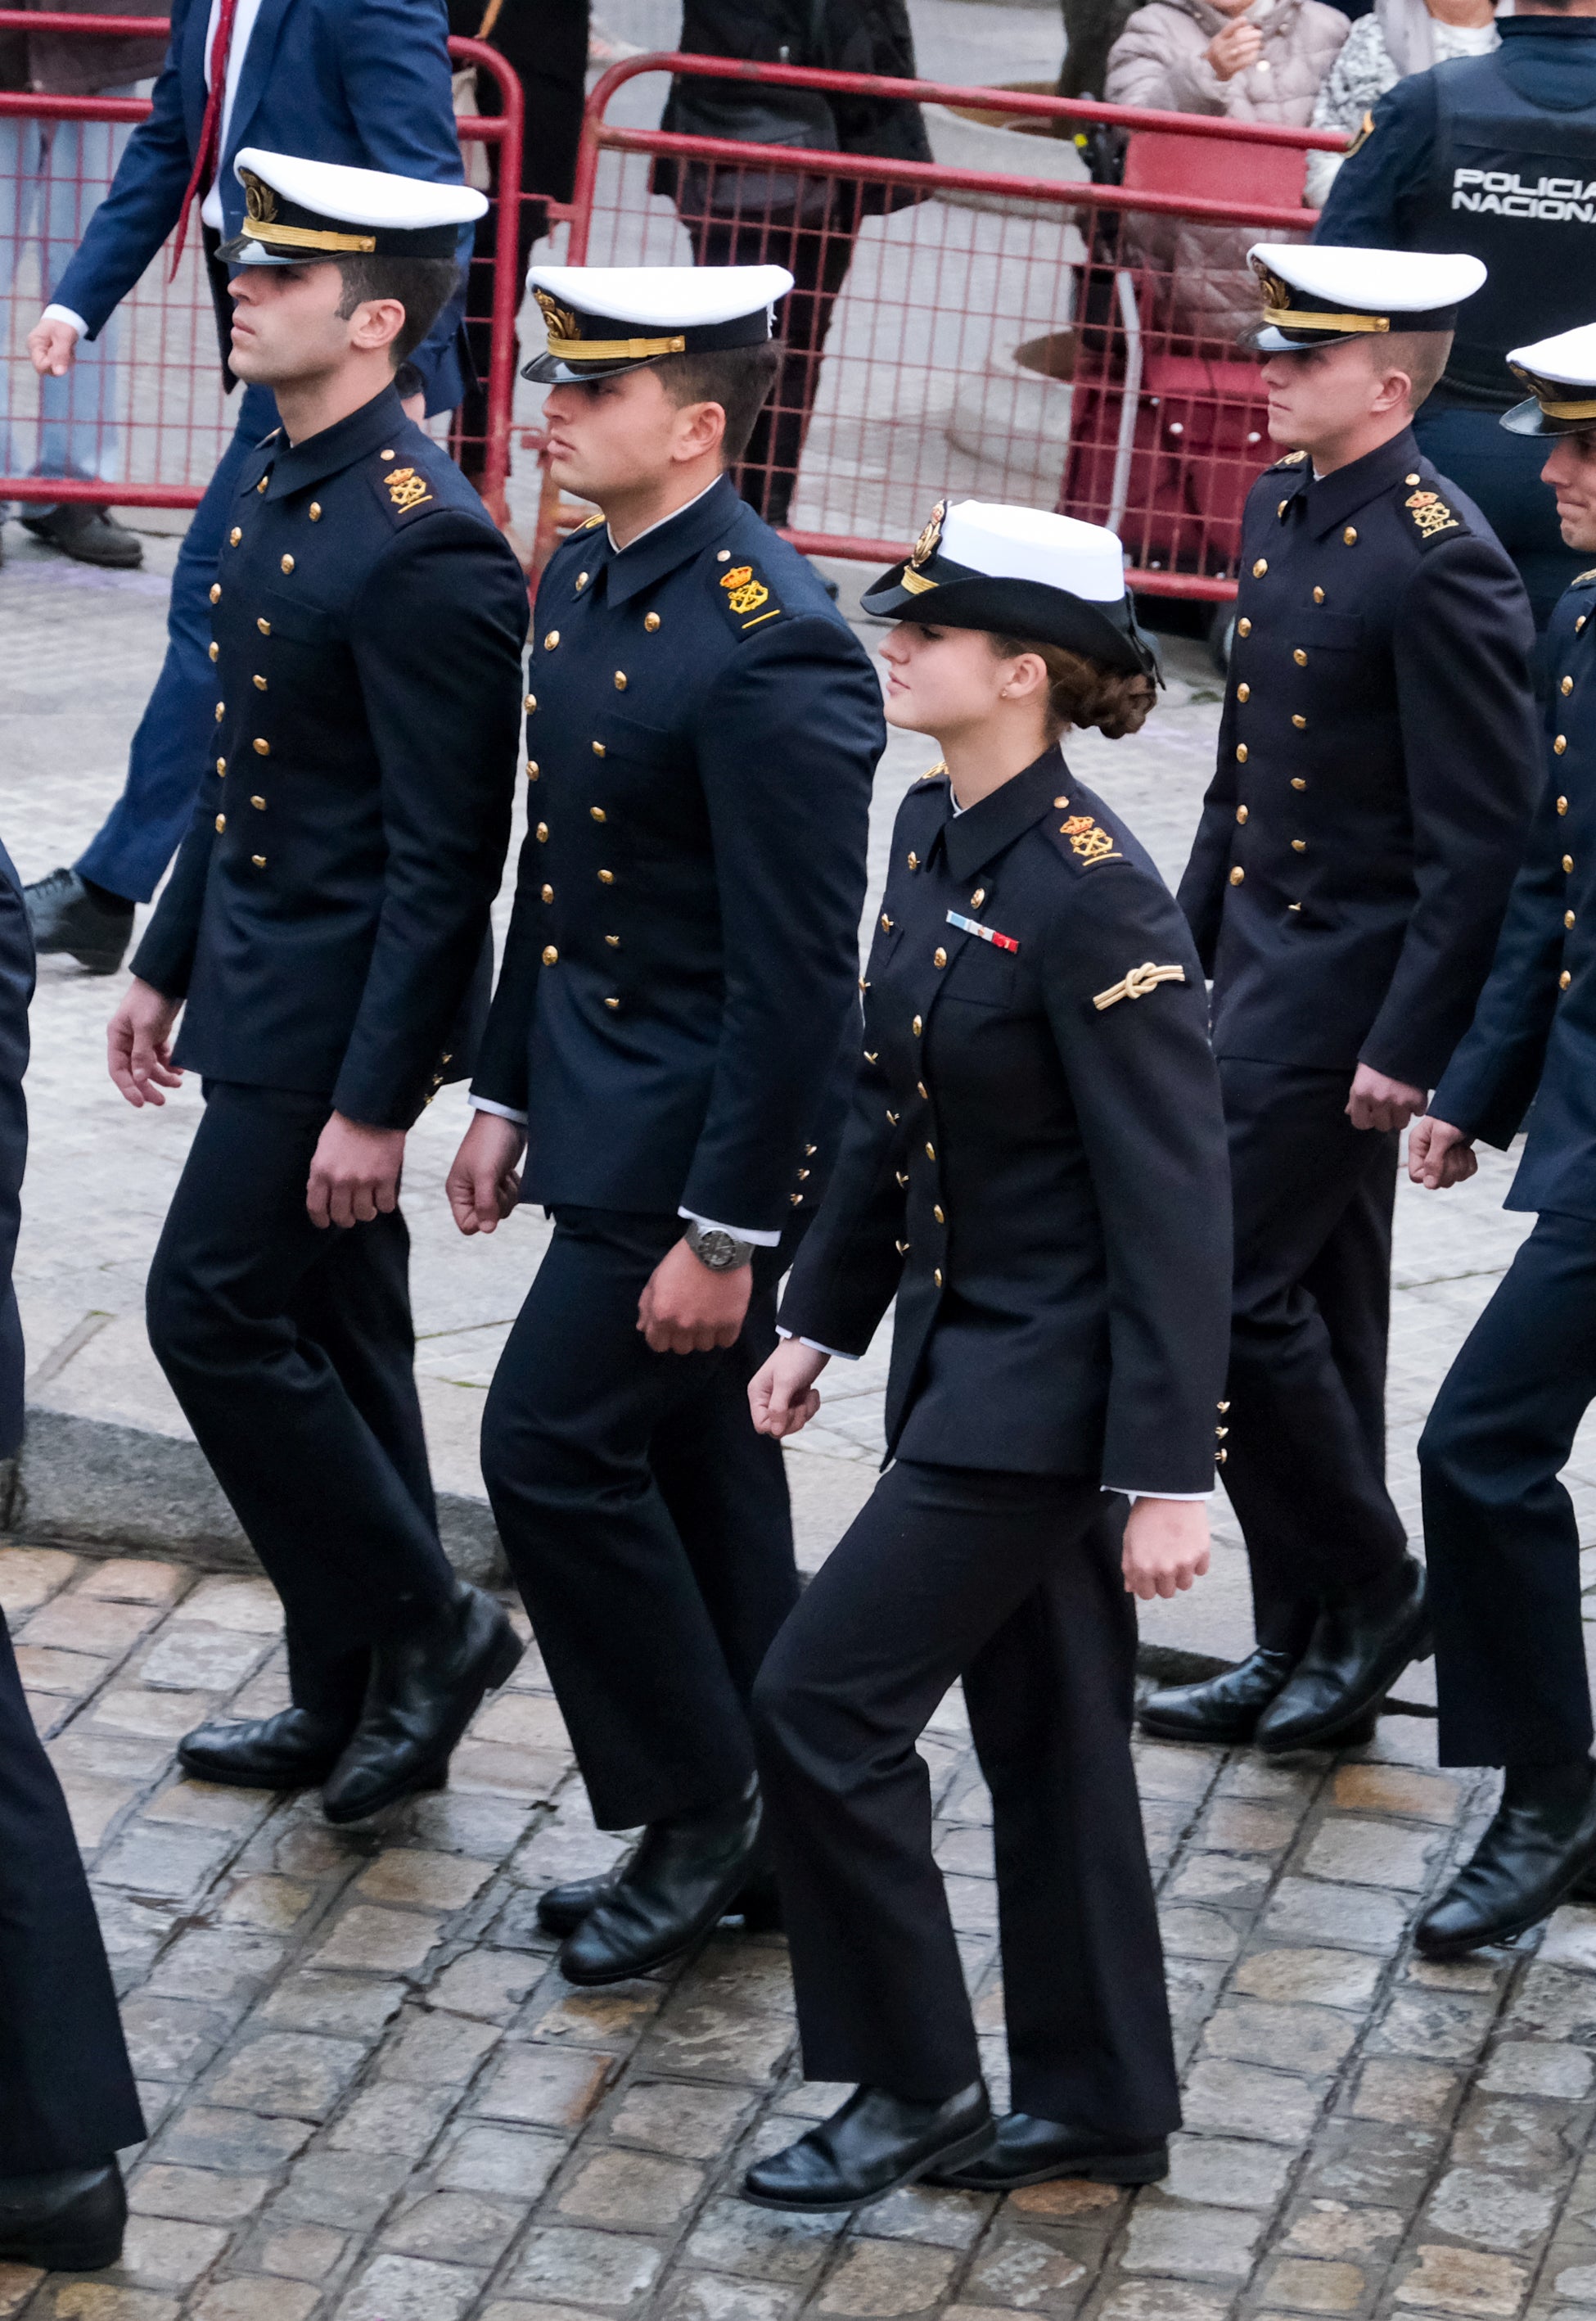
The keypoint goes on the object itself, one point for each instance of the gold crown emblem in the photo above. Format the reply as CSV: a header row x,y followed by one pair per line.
x,y
259,200
925,545
557,320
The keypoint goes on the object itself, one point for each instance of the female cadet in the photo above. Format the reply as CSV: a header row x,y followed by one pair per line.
x,y
1035,1166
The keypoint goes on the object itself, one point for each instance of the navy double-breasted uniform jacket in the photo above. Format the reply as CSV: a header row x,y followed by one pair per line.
x,y
329,910
1378,761
1035,1160
1531,1048
678,987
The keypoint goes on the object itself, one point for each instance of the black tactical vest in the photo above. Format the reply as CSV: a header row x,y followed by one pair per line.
x,y
1516,185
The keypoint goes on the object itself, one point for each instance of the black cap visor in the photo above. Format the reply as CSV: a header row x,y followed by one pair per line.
x,y
948,596
1555,407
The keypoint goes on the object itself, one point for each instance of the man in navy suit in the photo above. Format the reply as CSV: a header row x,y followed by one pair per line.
x,y
361,82
69,2100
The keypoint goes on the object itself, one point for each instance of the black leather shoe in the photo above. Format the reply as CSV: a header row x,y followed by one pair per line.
x,y
1030,2150
67,914
684,1877
71,2220
561,1909
875,2145
425,1688
1534,1854
1356,1652
91,535
294,1750
1223,1708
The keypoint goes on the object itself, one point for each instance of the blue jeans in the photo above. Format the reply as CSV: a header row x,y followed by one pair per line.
x,y
52,174
1501,473
146,825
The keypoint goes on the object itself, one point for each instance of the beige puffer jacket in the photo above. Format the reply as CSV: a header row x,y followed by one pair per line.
x,y
1160,61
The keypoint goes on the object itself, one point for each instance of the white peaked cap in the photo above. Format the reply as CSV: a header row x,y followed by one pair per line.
x,y
664,297
1349,279
1569,359
359,198
1022,544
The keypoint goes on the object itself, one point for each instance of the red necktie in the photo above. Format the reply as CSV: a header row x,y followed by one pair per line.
x,y
210,138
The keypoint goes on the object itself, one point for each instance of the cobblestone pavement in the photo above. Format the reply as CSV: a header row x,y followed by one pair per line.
x,y
371,2095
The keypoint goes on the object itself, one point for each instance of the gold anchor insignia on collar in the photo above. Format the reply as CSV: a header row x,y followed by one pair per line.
x,y
406,489
931,534
1430,513
1138,983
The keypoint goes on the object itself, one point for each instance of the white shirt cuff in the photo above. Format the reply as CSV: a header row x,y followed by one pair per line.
x,y
815,1346
499,1111
65,314
738,1233
1186,1499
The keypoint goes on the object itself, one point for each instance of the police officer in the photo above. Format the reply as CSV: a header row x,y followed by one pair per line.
x,y
1035,1167
676,997
69,2102
1498,1529
321,933
1496,156
1377,763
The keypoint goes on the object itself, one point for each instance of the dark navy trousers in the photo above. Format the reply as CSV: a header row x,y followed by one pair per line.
x,y
646,1523
1500,1535
145,827
67,2093
1013,1583
1305,1455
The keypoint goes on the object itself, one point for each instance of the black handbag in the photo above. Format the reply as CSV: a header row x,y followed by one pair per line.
x,y
751,113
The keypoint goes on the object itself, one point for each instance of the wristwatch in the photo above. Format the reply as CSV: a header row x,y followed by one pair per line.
x,y
720,1251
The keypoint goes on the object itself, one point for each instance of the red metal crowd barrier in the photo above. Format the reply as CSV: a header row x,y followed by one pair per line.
x,y
1028,334
140,419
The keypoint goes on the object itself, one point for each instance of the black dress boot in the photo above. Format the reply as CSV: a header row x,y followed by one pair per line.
x,y
1358,1649
1540,1849
1030,2150
1223,1708
70,2220
425,1688
561,1909
294,1750
875,2145
684,1877
88,534
66,912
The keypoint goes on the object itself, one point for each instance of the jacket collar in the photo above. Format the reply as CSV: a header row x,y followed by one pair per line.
x,y
294,466
1329,500
970,840
688,534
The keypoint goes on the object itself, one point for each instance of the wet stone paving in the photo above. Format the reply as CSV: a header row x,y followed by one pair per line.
x,y
370,2094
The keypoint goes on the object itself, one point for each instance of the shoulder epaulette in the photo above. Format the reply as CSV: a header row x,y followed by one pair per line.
x,y
404,491
1085,841
1430,515
747,601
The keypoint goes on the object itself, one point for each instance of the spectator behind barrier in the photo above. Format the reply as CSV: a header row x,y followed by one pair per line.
x,y
51,172
1398,38
1236,58
766,217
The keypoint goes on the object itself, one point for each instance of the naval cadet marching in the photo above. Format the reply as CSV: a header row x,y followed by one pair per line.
x,y
1377,763
676,1015
324,935
1500,1530
1034,1167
